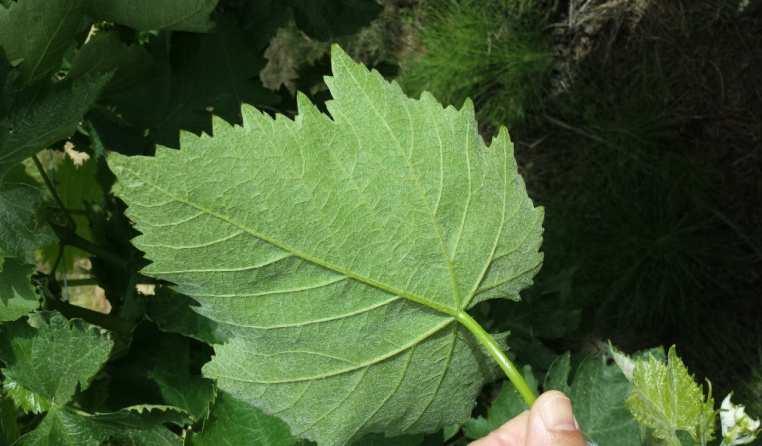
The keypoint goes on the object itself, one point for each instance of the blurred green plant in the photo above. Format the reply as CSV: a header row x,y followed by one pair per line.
x,y
496,52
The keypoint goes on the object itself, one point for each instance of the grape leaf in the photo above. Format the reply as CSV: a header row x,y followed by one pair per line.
x,y
44,117
665,398
236,422
52,356
38,33
17,295
507,405
147,15
341,253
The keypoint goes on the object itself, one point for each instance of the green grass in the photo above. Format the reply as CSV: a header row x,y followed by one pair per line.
x,y
495,52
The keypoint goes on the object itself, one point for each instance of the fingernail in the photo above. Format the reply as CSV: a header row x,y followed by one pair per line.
x,y
557,415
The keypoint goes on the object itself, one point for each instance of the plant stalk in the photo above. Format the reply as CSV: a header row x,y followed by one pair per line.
x,y
53,191
497,353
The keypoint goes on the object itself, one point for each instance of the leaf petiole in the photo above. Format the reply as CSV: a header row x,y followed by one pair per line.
x,y
499,356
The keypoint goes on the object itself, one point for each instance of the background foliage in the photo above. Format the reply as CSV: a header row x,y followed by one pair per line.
x,y
637,125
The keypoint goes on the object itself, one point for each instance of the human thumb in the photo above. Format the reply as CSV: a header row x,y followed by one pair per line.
x,y
551,422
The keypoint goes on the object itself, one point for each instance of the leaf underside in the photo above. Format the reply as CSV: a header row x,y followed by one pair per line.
x,y
337,252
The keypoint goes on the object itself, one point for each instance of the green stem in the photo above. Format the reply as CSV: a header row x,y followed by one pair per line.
x,y
53,191
499,356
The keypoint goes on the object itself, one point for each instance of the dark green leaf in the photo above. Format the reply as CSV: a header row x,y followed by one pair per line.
x,y
136,426
173,312
41,118
211,74
9,429
177,385
37,33
326,20
146,15
235,422
17,295
22,227
598,392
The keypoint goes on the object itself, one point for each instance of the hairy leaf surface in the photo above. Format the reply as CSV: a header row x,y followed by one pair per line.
x,y
666,399
339,251
52,356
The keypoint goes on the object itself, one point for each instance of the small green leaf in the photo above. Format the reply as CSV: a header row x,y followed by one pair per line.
x,y
665,398
235,422
507,405
17,295
38,33
342,253
52,356
147,15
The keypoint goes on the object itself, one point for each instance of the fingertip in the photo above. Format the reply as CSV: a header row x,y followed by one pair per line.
x,y
552,422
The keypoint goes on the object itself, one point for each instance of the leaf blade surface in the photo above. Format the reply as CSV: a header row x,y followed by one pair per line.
x,y
338,250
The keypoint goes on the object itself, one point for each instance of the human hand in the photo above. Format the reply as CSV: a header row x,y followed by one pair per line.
x,y
550,422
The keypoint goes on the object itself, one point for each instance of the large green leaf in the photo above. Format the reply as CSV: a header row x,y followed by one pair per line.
x,y
146,15
236,422
17,295
665,398
341,253
44,117
37,33
52,356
